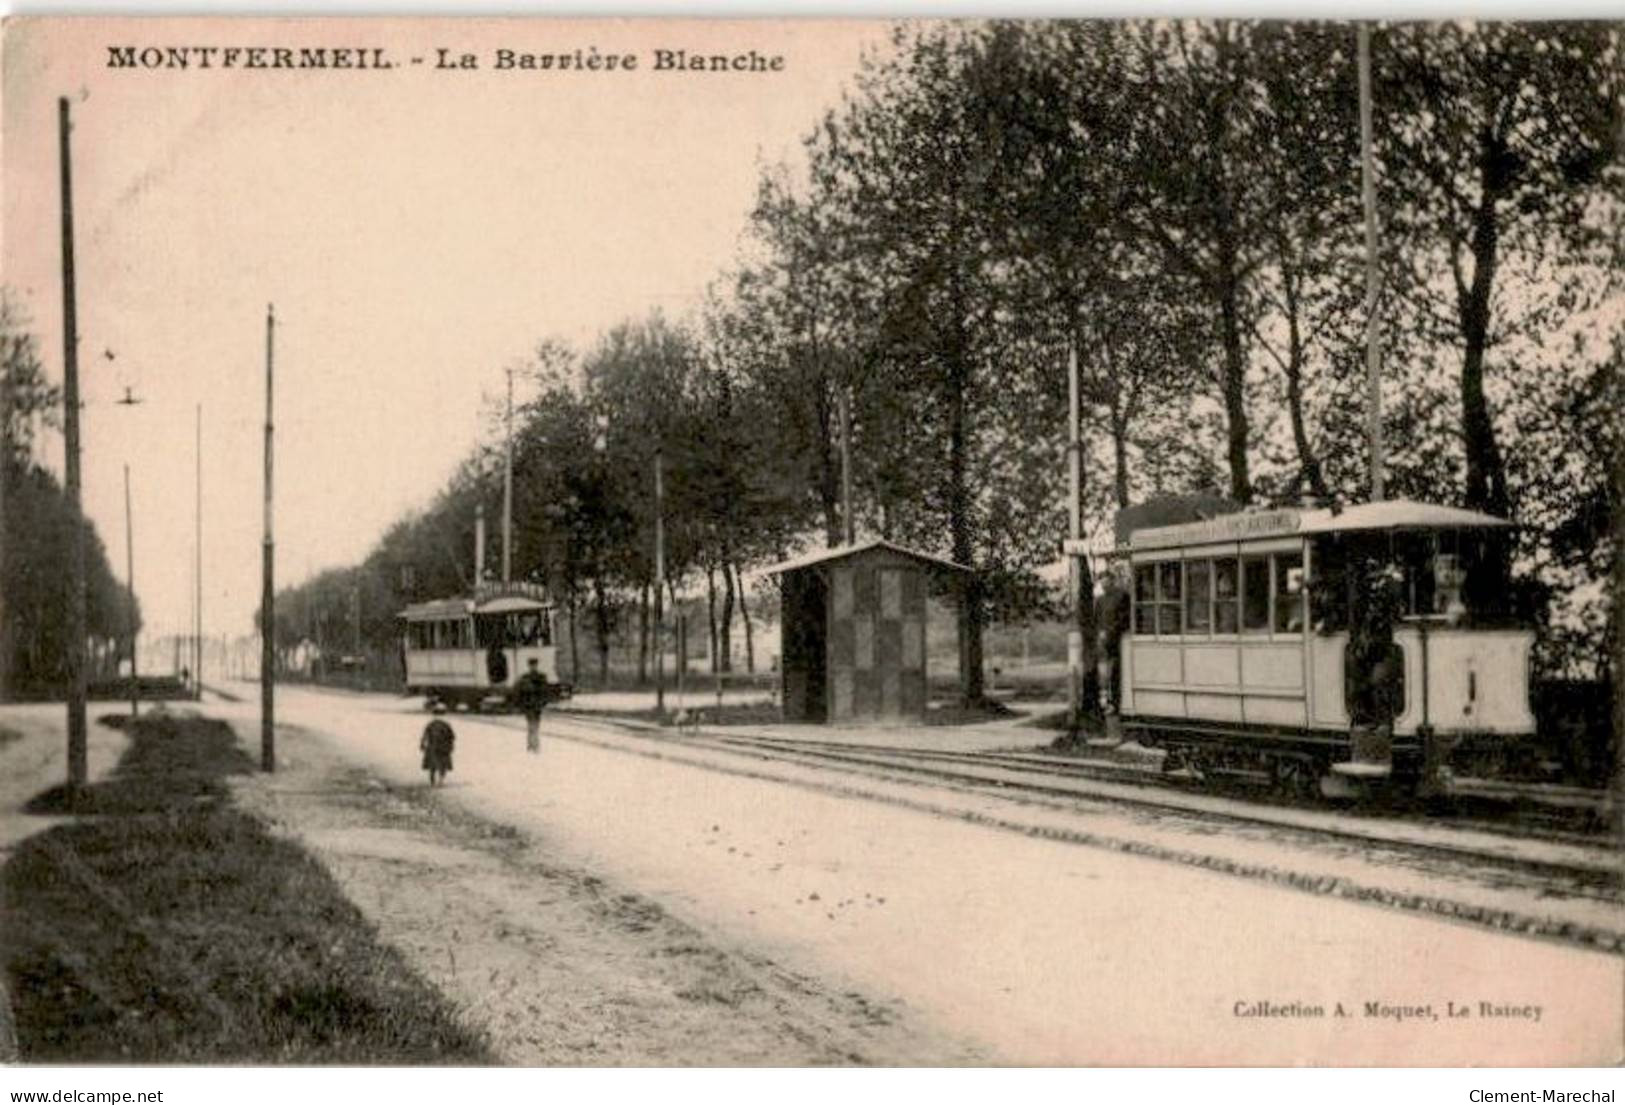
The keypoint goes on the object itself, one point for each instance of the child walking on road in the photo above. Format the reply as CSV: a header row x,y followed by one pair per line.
x,y
436,744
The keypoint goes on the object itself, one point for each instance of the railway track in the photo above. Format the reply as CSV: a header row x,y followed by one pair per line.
x,y
1556,814
1534,868
994,771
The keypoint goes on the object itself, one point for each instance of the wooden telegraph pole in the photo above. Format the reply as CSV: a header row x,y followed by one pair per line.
x,y
129,575
267,591
1074,461
70,432
507,490
660,582
1373,351
197,582
849,528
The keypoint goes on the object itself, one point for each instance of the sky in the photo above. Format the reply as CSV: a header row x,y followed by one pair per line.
x,y
417,229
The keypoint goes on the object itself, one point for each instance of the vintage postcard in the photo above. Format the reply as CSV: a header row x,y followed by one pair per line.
x,y
774,543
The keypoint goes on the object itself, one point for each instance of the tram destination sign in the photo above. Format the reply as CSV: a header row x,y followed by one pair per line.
x,y
1227,527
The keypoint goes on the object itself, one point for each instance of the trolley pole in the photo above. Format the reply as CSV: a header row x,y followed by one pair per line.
x,y
1373,351
77,767
267,590
129,576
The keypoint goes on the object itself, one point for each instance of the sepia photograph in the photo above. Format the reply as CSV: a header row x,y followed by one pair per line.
x,y
779,543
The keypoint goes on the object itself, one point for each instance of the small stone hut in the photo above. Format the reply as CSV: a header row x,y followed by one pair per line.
x,y
853,623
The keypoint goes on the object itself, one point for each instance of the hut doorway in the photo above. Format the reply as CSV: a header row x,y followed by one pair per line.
x,y
804,649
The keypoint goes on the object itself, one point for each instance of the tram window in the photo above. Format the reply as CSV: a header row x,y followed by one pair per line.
x,y
1255,593
1289,593
1199,596
489,632
527,629
1225,595
1169,576
1145,599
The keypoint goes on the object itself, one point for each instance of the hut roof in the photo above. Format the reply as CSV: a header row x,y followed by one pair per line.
x,y
842,552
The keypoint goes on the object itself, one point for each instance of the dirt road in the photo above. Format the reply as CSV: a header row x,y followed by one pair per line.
x,y
555,964
1033,950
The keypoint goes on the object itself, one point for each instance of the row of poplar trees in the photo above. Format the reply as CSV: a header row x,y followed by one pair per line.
x,y
1179,203
38,526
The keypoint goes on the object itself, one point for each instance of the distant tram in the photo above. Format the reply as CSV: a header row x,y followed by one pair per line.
x,y
471,652
1238,653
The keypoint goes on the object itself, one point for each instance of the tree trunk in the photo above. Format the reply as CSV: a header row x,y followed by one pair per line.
x,y
711,614
575,651
643,635
1308,462
601,620
1235,375
1486,475
725,634
679,634
744,610
829,473
1617,614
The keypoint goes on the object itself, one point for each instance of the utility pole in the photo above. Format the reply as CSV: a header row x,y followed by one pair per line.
x,y
660,583
355,625
507,490
77,763
1074,460
848,523
129,576
197,542
1373,352
267,591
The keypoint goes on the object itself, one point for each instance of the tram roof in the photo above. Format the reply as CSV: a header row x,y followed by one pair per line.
x,y
1399,514
489,598
437,610
1388,515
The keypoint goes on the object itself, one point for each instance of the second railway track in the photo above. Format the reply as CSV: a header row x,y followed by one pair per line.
x,y
1539,868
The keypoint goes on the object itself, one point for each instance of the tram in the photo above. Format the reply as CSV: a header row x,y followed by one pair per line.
x,y
471,652
1240,655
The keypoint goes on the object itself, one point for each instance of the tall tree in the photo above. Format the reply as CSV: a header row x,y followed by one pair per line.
x,y
1498,136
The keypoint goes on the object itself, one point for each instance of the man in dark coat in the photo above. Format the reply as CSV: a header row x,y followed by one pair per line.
x,y
1112,617
531,695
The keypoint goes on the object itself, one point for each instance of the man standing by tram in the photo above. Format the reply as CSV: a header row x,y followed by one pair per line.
x,y
1112,619
531,694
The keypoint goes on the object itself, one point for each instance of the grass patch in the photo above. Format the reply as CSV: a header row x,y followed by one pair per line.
x,y
170,927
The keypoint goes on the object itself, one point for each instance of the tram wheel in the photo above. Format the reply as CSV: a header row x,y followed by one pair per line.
x,y
1181,759
1297,776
